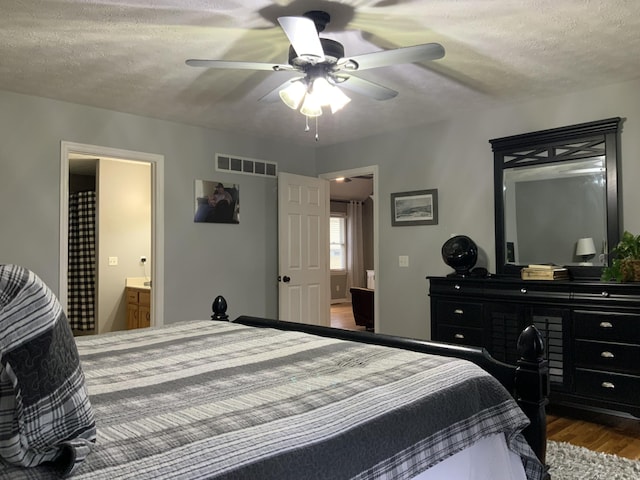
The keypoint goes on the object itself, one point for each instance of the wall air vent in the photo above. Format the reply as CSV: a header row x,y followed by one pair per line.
x,y
245,166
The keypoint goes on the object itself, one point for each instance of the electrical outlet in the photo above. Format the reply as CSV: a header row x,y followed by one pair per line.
x,y
403,260
143,259
113,261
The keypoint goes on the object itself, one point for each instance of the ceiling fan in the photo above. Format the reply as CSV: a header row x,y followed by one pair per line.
x,y
323,67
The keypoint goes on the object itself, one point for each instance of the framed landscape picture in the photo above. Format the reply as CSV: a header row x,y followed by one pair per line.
x,y
414,208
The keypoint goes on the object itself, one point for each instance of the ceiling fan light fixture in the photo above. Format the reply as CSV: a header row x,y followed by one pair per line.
x,y
311,106
338,99
328,94
321,89
324,67
293,94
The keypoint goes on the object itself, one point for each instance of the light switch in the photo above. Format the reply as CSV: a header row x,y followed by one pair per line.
x,y
403,260
113,261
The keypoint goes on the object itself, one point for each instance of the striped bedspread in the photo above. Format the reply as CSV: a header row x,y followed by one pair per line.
x,y
203,399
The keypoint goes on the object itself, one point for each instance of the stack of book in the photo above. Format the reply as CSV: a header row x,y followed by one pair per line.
x,y
544,272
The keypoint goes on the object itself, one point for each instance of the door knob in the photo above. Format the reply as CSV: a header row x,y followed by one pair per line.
x,y
286,279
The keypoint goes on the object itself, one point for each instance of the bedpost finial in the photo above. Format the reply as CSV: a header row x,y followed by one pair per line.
x,y
531,344
219,308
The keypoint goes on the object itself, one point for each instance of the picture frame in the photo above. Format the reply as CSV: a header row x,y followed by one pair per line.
x,y
216,202
419,207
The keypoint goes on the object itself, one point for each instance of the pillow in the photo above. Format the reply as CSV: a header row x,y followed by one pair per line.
x,y
45,413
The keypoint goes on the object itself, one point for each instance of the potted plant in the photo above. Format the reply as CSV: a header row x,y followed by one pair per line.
x,y
625,266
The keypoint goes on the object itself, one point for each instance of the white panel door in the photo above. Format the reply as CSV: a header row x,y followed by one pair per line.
x,y
303,249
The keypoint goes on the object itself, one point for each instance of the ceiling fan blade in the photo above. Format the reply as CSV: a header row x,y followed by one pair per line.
x,y
192,62
302,35
416,53
366,87
274,95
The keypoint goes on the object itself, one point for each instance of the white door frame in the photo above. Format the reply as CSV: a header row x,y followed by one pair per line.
x,y
372,169
157,216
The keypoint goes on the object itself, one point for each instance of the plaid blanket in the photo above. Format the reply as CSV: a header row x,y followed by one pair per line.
x,y
217,400
45,414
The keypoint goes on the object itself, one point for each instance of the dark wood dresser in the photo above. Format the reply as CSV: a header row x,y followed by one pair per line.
x,y
591,330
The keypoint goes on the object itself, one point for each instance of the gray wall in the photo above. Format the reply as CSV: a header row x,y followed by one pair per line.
x,y
338,286
455,157
201,260
240,262
124,231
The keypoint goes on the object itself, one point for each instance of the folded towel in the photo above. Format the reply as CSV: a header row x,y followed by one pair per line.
x,y
45,413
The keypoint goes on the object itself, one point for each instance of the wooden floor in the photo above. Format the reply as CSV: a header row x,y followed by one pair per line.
x,y
342,317
598,432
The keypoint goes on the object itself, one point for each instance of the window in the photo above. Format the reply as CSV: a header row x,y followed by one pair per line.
x,y
337,245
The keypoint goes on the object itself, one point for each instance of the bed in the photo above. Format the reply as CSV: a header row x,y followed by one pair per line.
x,y
255,398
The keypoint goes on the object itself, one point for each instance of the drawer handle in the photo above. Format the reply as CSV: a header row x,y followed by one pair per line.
x,y
606,325
608,385
605,294
457,287
458,311
523,290
607,355
459,336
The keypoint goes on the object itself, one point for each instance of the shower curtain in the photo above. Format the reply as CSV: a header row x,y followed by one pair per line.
x,y
82,259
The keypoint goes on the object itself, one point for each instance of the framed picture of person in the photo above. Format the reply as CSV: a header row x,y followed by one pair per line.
x,y
216,202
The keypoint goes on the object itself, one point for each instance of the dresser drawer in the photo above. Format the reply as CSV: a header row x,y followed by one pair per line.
x,y
132,295
616,357
462,287
529,290
460,335
615,387
608,326
459,313
614,294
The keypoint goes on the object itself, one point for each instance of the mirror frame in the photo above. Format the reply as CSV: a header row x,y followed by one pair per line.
x,y
545,147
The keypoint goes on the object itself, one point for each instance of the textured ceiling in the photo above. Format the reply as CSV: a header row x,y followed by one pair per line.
x,y
357,188
128,56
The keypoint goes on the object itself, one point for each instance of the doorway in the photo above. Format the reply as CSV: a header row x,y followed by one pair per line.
x,y
153,266
341,310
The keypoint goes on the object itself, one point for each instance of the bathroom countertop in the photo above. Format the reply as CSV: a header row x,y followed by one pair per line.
x,y
138,282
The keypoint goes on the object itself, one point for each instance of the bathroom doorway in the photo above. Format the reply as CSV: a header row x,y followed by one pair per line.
x,y
128,234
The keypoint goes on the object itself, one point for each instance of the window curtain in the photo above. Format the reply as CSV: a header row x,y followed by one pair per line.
x,y
355,261
82,260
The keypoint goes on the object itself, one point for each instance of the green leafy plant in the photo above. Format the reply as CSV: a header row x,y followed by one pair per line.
x,y
626,259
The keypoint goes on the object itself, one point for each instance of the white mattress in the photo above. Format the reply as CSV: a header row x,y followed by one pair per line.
x,y
487,459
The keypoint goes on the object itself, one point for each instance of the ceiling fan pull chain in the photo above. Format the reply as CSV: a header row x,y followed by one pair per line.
x,y
316,129
306,123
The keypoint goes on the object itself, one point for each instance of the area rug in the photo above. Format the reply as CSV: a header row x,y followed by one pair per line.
x,y
568,462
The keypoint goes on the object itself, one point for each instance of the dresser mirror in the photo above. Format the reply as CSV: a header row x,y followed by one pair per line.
x,y
556,198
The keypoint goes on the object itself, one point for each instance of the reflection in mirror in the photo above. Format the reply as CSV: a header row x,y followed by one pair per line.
x,y
556,198
548,208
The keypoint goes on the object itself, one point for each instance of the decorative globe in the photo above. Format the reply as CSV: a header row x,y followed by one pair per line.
x,y
460,253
